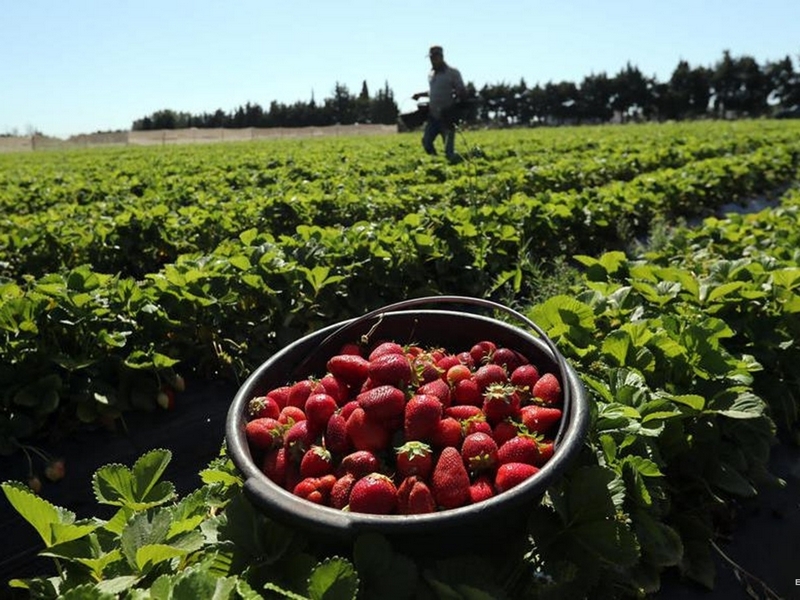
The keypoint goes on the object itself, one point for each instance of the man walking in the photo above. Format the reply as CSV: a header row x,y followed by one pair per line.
x,y
446,88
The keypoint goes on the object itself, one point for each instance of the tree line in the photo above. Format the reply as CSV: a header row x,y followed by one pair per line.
x,y
733,87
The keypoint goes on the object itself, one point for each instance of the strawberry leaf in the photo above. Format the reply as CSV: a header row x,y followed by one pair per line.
x,y
137,488
333,579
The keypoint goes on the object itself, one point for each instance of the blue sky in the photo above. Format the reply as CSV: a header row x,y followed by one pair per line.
x,y
80,66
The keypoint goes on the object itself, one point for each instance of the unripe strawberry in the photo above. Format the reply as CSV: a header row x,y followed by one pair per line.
x,y
55,470
166,398
35,484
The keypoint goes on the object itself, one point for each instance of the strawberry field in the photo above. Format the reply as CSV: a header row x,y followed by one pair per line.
x,y
127,274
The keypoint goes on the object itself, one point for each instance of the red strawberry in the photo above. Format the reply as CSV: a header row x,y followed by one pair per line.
x,y
308,489
390,369
316,462
520,449
300,391
365,433
414,458
422,413
291,415
488,374
504,431
501,401
263,406
540,419
437,388
382,403
446,362
524,378
350,348
476,424
467,392
319,409
448,432
547,390
348,408
450,480
482,351
340,494
414,497
384,348
297,440
264,433
336,439
456,373
374,494
280,395
479,452
425,368
466,359
481,489
336,388
349,368
462,412
546,449
359,463
507,358
274,465
511,474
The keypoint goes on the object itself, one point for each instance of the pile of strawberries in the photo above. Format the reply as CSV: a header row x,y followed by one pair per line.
x,y
390,429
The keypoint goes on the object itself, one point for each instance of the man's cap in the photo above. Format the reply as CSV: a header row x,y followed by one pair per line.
x,y
435,50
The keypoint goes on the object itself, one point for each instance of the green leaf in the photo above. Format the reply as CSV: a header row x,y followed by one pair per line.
x,y
609,540
383,573
661,544
137,489
54,525
333,579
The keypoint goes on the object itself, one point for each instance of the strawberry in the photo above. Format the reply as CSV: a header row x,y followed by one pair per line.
x,y
55,470
374,494
450,480
264,433
467,392
437,388
414,458
359,463
382,403
425,369
462,412
299,392
479,452
448,432
446,362
352,369
488,374
280,395
476,424
316,462
263,406
520,449
35,484
501,401
507,358
335,437
390,369
384,348
340,493
350,348
540,419
456,373
523,378
298,440
336,388
291,415
414,497
366,433
482,352
274,465
319,408
315,489
422,413
504,431
481,489
547,390
166,398
511,474
348,408
466,359
546,449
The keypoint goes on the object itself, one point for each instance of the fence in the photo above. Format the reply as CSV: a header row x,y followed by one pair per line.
x,y
164,137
